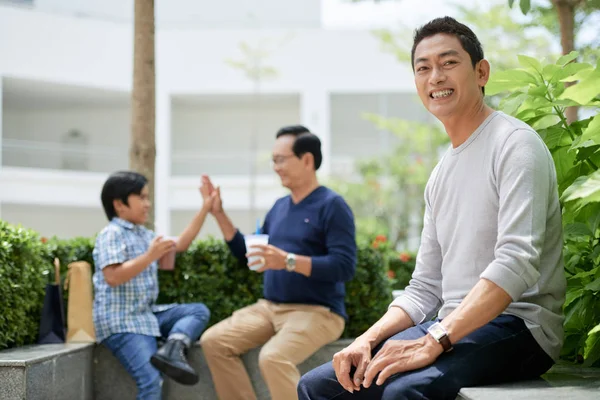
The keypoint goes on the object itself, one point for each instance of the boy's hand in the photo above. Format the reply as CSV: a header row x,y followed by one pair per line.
x,y
211,195
159,247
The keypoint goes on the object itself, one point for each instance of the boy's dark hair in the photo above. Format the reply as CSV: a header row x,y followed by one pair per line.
x,y
450,26
306,142
119,186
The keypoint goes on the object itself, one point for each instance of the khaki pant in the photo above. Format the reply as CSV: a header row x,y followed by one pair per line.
x,y
289,333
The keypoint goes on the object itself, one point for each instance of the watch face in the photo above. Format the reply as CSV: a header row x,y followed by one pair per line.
x,y
437,330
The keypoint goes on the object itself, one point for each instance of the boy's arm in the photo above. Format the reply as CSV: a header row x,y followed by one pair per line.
x,y
116,274
191,231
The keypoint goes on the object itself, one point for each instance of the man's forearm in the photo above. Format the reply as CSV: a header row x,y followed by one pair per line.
x,y
395,320
483,303
119,274
191,231
225,225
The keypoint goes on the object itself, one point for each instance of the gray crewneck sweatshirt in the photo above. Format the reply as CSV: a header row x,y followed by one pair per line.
x,y
492,212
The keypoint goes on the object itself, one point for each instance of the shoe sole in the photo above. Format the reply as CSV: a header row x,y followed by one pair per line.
x,y
177,374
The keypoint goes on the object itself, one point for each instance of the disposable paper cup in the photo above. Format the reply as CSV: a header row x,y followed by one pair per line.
x,y
167,261
253,240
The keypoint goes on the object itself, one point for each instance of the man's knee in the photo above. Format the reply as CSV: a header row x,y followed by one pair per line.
x,y
270,358
319,383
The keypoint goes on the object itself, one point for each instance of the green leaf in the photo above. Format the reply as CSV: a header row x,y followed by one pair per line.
x,y
593,286
494,87
592,132
510,3
572,296
546,121
591,352
584,91
555,136
585,152
573,72
567,58
582,71
525,6
577,229
585,187
511,104
529,62
563,161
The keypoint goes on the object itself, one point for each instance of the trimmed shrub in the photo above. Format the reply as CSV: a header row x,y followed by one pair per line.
x,y
24,272
206,273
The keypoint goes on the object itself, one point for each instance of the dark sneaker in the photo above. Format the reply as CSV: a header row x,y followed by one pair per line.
x,y
170,360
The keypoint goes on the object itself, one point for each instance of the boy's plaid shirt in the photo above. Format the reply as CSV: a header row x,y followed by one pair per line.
x,y
129,307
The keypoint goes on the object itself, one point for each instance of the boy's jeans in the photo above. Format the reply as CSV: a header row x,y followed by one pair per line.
x,y
134,350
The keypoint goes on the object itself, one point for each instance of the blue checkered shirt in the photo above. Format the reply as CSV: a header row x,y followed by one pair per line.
x,y
129,307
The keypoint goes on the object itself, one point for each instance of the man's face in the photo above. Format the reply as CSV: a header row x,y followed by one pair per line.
x,y
291,169
445,78
137,209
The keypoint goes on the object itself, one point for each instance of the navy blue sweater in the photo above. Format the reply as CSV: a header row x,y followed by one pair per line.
x,y
321,226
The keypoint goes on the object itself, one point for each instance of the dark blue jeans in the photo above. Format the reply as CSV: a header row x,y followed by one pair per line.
x,y
134,351
501,351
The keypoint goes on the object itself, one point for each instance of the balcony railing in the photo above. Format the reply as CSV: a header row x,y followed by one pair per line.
x,y
63,156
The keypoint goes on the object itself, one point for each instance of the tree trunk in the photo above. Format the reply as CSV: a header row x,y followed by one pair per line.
x,y
142,151
566,20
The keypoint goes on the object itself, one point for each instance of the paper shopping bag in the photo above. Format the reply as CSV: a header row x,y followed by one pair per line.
x,y
80,324
52,323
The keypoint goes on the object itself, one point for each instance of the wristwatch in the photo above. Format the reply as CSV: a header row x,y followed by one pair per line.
x,y
290,262
440,334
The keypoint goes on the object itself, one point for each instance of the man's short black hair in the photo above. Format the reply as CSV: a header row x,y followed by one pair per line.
x,y
119,186
448,25
306,142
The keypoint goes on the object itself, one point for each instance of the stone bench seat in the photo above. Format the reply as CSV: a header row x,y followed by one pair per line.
x,y
561,382
91,372
49,371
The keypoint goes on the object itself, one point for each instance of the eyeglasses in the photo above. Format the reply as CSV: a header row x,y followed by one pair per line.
x,y
278,160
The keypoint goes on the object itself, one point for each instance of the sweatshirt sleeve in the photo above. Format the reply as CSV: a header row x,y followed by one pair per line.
x,y
524,170
422,298
339,265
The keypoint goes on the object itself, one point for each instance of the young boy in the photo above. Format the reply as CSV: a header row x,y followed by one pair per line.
x,y
126,318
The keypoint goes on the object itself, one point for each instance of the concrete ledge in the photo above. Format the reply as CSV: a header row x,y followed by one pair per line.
x,y
561,382
112,382
51,371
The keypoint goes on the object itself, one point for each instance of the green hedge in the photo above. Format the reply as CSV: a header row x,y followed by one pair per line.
x,y
23,275
207,273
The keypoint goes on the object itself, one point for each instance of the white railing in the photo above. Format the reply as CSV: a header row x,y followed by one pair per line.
x,y
62,156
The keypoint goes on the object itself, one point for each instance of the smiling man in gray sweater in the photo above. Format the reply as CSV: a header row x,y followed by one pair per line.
x,y
485,301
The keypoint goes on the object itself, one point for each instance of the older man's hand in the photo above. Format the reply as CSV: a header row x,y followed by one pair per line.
x,y
357,355
400,356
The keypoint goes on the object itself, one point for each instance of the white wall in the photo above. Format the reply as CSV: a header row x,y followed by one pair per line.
x,y
35,138
198,13
215,136
352,135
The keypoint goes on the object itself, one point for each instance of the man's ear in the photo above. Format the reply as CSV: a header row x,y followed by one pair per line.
x,y
482,72
308,160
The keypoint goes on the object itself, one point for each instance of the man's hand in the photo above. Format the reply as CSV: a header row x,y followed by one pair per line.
x,y
159,247
400,356
211,194
274,258
357,355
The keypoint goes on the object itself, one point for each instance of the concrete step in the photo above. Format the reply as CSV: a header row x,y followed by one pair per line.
x,y
561,382
48,371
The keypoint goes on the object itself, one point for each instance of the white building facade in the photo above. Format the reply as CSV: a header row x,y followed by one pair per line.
x,y
65,82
